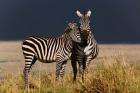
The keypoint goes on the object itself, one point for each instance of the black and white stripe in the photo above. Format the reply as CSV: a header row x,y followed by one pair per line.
x,y
49,50
85,52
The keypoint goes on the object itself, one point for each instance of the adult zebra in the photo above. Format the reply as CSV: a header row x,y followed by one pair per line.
x,y
49,50
87,50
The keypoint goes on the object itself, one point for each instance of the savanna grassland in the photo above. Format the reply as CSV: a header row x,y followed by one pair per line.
x,y
115,70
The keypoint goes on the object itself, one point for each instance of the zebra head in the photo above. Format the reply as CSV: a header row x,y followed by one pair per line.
x,y
74,32
84,22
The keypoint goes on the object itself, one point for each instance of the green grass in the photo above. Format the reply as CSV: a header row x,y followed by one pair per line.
x,y
114,75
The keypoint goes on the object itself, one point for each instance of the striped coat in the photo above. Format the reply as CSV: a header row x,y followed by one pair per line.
x,y
87,50
49,50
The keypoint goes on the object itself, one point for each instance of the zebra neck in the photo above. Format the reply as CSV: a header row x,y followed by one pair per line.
x,y
68,44
67,40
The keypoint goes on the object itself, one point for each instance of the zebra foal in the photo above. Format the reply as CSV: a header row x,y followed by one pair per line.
x,y
50,50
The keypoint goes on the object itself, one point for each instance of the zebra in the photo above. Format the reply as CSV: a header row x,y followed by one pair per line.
x,y
48,50
87,50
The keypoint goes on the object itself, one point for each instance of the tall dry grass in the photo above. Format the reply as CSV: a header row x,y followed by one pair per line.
x,y
113,75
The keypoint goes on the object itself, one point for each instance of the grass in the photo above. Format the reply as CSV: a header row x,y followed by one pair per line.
x,y
113,75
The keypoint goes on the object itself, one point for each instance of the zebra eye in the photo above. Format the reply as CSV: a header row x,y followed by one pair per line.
x,y
70,29
78,32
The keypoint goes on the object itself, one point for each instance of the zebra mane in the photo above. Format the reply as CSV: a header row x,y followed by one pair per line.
x,y
67,29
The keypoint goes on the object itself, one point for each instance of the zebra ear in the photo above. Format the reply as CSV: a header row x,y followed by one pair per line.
x,y
78,13
89,13
69,24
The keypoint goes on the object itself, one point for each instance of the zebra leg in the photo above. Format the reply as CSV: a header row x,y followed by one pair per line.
x,y
26,85
82,65
29,61
58,67
60,70
74,67
88,61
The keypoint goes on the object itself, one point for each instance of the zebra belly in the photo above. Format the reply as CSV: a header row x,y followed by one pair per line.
x,y
47,59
